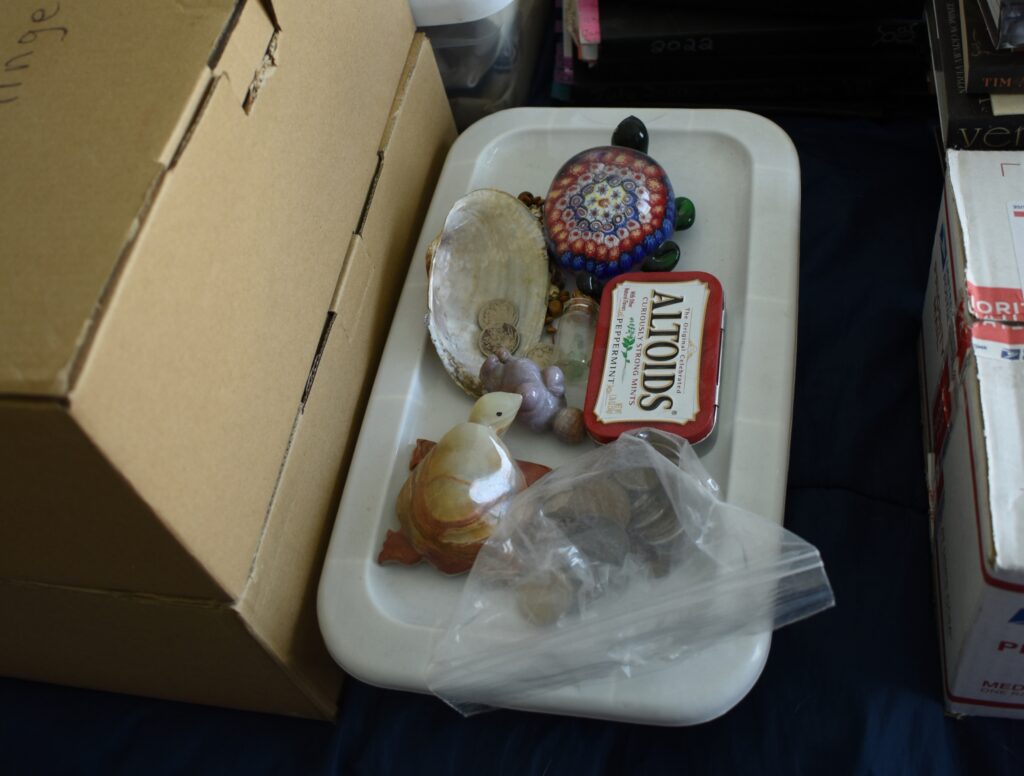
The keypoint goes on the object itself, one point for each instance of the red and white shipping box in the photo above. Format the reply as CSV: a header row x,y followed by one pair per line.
x,y
972,364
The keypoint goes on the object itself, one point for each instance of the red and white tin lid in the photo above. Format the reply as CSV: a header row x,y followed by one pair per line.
x,y
657,355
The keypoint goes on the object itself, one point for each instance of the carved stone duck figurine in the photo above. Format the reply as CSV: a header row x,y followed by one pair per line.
x,y
458,489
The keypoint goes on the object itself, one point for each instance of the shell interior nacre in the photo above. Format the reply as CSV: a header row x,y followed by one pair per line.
x,y
491,247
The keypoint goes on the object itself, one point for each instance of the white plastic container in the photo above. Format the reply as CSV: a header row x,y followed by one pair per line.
x,y
379,622
486,50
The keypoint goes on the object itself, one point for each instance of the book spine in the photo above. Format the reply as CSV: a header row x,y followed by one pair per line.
x,y
902,70
995,133
677,41
791,7
982,80
831,94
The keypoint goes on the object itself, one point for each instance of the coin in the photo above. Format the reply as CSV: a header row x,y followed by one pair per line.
x,y
542,354
643,503
666,528
495,312
660,566
637,478
662,442
657,562
600,538
646,515
603,498
558,505
502,335
544,596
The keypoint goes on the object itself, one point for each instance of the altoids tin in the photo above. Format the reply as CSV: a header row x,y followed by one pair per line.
x,y
657,357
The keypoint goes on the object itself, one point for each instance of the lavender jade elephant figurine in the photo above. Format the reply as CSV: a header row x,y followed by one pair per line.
x,y
543,392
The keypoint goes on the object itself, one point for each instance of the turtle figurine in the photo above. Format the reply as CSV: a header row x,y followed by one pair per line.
x,y
612,209
458,489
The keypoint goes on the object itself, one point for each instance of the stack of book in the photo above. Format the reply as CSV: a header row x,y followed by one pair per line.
x,y
978,74
797,54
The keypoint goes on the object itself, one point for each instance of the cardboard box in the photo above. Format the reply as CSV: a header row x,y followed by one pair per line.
x,y
972,359
200,201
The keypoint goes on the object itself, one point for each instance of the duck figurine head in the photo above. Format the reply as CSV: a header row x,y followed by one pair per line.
x,y
496,411
609,209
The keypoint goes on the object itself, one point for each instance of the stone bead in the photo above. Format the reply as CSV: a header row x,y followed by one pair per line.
x,y
568,426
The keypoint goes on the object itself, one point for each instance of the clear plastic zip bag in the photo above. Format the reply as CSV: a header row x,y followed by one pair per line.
x,y
624,561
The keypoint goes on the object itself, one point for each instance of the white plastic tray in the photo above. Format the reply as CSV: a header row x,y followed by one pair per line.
x,y
742,173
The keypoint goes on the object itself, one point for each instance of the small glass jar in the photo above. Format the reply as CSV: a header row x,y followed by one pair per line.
x,y
575,338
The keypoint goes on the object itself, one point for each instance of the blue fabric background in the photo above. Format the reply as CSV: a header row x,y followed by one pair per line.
x,y
853,690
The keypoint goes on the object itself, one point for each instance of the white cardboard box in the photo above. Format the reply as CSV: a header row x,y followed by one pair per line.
x,y
972,359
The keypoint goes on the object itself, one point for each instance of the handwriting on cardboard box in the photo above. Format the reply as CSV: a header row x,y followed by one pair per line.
x,y
41,27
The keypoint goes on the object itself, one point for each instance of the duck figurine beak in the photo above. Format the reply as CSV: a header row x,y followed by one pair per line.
x,y
496,410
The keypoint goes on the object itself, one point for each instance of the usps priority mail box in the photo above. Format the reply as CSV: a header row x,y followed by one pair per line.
x,y
972,366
